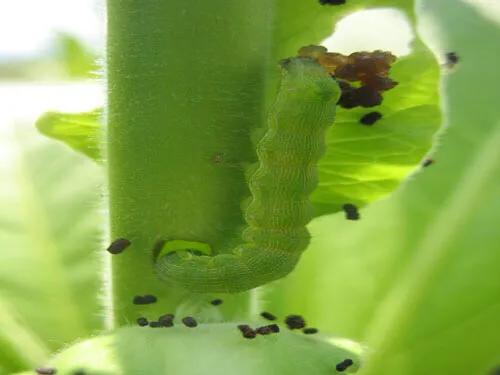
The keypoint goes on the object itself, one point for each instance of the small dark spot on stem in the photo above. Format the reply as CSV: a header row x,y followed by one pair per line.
x,y
216,302
155,324
267,315
189,322
218,158
452,58
117,246
427,162
310,331
370,118
247,332
144,300
295,322
142,321
332,2
351,211
79,372
45,370
344,365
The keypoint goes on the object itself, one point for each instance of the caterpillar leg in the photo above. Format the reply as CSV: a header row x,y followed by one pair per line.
x,y
225,273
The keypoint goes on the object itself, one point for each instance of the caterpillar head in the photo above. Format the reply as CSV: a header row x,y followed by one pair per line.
x,y
305,78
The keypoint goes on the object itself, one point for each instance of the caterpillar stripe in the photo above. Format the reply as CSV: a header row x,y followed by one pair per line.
x,y
283,179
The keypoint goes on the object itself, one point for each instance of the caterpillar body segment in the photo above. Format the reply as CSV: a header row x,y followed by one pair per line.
x,y
280,185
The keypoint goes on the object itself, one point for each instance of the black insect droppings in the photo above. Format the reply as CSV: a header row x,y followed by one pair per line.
x,y
46,370
117,246
274,328
368,71
295,322
332,2
364,96
370,118
267,315
142,321
247,332
216,302
310,331
189,322
138,300
144,300
264,330
351,211
427,162
348,95
344,365
166,320
155,324
452,58
367,97
380,83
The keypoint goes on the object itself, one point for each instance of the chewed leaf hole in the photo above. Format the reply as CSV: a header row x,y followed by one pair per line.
x,y
367,30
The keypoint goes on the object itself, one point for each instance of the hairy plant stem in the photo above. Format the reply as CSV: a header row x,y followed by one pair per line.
x,y
186,85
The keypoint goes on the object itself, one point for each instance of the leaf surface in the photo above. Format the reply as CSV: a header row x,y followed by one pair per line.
x,y
49,233
417,277
80,131
365,163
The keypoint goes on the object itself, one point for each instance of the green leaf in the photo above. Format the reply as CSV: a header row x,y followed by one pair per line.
x,y
80,131
20,347
365,163
417,277
49,233
78,60
171,351
299,23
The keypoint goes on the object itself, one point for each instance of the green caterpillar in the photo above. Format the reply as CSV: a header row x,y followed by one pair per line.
x,y
279,210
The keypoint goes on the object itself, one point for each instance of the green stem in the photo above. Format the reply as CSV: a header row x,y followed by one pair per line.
x,y
186,85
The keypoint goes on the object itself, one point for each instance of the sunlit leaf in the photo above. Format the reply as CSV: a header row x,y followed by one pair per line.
x,y
49,233
80,131
365,163
417,277
171,350
20,347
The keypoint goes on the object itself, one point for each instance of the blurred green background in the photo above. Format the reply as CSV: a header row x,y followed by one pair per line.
x,y
417,278
50,212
